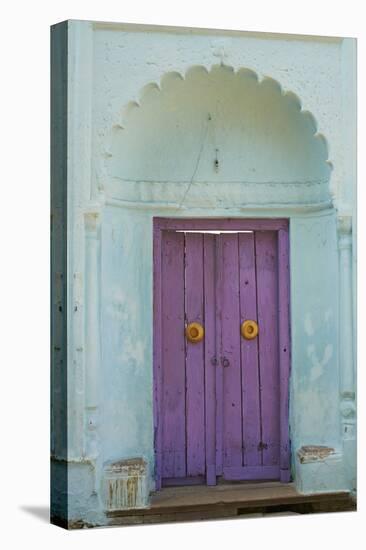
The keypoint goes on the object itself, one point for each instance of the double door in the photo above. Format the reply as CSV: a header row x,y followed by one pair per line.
x,y
220,382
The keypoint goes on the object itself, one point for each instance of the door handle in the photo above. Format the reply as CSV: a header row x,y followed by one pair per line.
x,y
249,329
195,332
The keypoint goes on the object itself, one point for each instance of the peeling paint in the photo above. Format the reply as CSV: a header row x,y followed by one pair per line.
x,y
125,485
310,80
313,453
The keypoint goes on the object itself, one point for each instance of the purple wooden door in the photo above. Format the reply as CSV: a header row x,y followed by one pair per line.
x,y
219,400
250,405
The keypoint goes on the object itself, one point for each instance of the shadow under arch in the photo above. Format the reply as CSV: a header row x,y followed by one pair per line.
x,y
217,137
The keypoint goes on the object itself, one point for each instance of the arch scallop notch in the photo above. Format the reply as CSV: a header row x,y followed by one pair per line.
x,y
217,138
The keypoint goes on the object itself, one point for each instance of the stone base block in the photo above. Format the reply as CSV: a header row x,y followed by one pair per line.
x,y
125,485
319,469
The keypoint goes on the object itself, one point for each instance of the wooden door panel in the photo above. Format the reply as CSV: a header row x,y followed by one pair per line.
x,y
249,353
223,400
247,473
195,377
267,288
219,370
251,424
188,377
230,353
210,356
173,356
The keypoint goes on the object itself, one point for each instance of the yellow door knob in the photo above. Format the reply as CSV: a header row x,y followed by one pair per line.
x,y
195,332
249,329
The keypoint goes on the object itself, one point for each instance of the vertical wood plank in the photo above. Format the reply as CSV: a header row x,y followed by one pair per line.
x,y
284,350
210,355
174,426
232,429
219,371
249,353
267,300
195,394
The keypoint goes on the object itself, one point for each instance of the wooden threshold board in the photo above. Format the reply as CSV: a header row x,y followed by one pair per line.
x,y
229,500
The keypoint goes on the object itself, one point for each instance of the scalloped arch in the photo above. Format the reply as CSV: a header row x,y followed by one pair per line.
x,y
219,126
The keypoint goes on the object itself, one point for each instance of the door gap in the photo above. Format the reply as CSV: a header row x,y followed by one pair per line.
x,y
258,354
212,231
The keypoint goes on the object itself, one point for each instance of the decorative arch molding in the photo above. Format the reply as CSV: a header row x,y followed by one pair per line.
x,y
217,138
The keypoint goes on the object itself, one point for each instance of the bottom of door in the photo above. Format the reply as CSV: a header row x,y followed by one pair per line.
x,y
178,481
240,473
234,473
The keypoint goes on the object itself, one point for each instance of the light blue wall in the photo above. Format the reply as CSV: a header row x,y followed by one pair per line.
x,y
314,331
148,112
162,162
127,417
126,319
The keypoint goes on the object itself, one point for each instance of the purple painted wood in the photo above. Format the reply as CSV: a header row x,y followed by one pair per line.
x,y
181,481
210,356
251,473
173,406
266,265
249,352
219,370
195,389
157,357
230,354
168,424
284,349
228,224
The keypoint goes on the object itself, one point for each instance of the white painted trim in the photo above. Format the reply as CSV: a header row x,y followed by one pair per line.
x,y
137,27
175,207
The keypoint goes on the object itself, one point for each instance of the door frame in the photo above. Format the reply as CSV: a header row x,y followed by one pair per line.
x,y
281,226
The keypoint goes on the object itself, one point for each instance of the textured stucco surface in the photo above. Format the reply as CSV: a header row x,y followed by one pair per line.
x,y
150,111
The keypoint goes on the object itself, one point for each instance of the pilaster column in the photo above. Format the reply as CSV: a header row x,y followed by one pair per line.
x,y
92,331
347,377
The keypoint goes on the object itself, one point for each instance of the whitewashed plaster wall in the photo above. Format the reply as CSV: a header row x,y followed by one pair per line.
x,y
149,112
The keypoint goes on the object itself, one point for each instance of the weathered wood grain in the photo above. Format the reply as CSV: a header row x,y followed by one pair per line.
x,y
219,370
174,413
221,405
210,356
266,266
249,352
224,224
195,383
240,473
230,353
